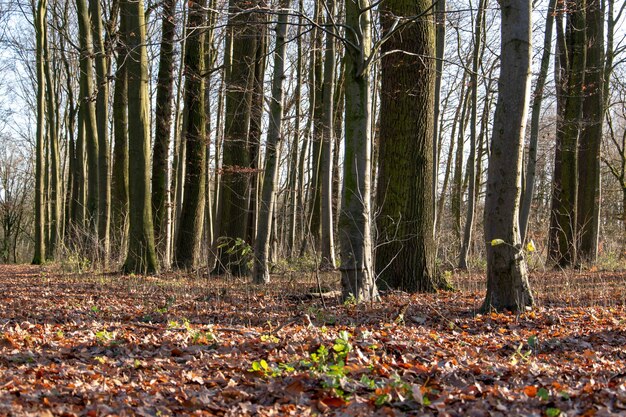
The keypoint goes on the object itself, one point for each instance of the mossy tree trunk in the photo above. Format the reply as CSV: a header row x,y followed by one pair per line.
x,y
189,236
239,62
141,256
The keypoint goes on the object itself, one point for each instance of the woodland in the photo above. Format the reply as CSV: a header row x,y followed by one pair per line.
x,y
313,207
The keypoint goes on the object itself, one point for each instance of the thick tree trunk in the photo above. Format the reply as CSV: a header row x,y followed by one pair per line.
x,y
405,258
507,276
588,210
261,274
189,236
141,257
239,62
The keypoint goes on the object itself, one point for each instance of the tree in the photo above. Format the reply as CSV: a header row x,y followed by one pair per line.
x,y
163,122
326,157
588,209
274,138
141,256
355,220
507,276
405,257
119,177
40,248
189,236
570,79
102,123
531,164
87,113
235,182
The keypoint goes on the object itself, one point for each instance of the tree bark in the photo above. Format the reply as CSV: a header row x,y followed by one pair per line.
x,y
589,186
163,122
355,223
141,256
261,273
40,27
405,257
189,237
507,276
531,164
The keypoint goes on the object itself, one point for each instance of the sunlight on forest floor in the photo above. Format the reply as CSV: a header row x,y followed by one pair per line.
x,y
83,344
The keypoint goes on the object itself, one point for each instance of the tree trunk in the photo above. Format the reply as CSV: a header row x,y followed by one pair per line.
x,y
141,257
588,210
89,113
564,247
326,160
405,258
239,63
261,274
507,276
53,144
531,164
119,183
471,163
189,236
40,27
355,223
102,122
163,121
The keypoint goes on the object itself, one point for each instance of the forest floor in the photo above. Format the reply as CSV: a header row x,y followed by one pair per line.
x,y
96,345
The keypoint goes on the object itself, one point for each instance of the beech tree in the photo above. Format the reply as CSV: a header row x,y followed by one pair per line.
x,y
141,255
507,275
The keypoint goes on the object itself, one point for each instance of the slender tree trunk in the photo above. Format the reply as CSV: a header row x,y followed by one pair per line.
x,y
53,145
261,274
189,237
471,163
89,120
564,247
141,257
326,160
40,29
507,276
119,183
355,223
163,120
531,164
102,122
440,47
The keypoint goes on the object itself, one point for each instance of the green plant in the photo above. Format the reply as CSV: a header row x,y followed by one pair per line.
x,y
104,336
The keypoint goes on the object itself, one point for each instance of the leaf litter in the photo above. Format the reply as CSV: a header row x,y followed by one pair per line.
x,y
98,345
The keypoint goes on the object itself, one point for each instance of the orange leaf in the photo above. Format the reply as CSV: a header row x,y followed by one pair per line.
x,y
531,391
